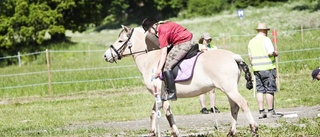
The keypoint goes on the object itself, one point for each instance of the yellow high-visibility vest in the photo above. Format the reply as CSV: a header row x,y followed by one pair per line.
x,y
260,59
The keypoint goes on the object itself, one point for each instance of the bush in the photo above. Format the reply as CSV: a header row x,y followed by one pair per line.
x,y
204,7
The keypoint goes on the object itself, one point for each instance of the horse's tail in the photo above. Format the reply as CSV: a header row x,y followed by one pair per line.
x,y
246,70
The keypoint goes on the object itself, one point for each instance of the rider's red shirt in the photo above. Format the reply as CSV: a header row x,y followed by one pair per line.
x,y
172,33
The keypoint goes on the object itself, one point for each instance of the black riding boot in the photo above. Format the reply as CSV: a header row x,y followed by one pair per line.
x,y
170,85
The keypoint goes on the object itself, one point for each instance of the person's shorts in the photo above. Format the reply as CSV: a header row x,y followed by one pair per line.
x,y
266,81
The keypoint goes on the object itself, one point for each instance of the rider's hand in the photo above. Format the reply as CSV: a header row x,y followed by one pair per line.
x,y
157,74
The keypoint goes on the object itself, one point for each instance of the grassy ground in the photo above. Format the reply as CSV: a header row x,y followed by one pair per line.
x,y
31,111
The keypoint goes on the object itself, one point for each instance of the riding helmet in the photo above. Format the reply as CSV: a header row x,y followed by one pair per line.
x,y
148,22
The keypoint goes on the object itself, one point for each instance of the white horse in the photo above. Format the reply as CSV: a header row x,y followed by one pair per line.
x,y
214,69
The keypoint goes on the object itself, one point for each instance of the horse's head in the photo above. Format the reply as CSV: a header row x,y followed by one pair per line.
x,y
117,49
124,45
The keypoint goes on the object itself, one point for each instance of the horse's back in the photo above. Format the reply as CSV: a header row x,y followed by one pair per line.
x,y
217,68
219,60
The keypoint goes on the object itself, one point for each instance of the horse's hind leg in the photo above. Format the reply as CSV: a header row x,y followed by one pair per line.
x,y
234,113
169,115
153,116
236,101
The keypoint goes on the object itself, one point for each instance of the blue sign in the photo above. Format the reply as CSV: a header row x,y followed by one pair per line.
x,y
240,13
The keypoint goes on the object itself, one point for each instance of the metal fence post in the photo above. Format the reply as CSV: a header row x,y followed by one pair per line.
x,y
49,74
19,59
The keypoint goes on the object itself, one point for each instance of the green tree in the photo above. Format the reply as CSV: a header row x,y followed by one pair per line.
x,y
205,7
27,21
24,23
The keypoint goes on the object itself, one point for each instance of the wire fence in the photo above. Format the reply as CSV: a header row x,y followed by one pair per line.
x,y
64,70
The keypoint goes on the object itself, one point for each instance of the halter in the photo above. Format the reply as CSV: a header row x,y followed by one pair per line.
x,y
128,43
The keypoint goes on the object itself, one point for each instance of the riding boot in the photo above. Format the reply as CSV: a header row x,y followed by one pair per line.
x,y
170,85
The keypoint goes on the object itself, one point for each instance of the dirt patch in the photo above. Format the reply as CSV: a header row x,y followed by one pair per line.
x,y
205,123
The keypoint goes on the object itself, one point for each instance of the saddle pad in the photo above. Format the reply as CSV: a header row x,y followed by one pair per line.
x,y
185,69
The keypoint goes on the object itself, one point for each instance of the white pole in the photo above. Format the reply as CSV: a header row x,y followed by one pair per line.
x,y
19,59
49,72
158,102
254,85
89,52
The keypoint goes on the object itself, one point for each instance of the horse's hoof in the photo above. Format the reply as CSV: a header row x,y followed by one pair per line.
x,y
152,134
230,134
255,135
254,130
174,135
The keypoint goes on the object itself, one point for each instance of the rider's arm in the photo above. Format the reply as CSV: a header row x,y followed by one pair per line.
x,y
162,61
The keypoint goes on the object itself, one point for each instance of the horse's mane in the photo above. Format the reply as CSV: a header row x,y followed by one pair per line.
x,y
151,40
139,29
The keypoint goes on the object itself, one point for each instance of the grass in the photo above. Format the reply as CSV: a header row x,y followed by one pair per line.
x,y
32,111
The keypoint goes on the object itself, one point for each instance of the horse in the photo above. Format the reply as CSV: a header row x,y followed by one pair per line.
x,y
214,69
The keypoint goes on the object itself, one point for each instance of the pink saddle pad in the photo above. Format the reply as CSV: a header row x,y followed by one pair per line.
x,y
186,69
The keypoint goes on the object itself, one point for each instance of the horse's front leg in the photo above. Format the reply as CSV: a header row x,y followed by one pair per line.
x,y
169,115
153,116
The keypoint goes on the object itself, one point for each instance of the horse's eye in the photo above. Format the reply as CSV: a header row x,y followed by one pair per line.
x,y
120,41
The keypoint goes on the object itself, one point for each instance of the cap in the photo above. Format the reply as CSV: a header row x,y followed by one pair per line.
x,y
206,36
262,26
315,72
148,22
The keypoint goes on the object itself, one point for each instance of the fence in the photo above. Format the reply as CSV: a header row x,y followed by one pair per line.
x,y
65,70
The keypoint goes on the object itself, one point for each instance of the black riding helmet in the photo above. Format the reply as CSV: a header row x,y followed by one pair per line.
x,y
148,22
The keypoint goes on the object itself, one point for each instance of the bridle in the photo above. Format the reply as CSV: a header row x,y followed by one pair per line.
x,y
126,44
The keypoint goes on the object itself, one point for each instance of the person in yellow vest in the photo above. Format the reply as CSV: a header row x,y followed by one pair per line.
x,y
262,59
204,45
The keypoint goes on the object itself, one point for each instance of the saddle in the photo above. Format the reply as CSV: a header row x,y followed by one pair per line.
x,y
183,70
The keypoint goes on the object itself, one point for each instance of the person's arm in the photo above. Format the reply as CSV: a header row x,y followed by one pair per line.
x,y
204,47
162,61
270,49
249,57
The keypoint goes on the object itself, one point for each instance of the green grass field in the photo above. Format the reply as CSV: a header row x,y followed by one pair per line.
x,y
32,111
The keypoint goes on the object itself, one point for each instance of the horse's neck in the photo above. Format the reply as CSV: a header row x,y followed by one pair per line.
x,y
147,61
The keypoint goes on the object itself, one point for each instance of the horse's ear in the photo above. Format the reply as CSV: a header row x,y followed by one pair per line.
x,y
125,28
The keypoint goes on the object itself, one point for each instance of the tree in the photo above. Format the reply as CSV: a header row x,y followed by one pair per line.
x,y
27,21
205,7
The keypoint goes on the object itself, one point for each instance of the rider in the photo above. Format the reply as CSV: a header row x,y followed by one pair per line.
x,y
175,42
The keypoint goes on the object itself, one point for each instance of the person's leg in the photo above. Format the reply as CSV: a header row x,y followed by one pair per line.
x,y
260,100
212,96
271,88
170,85
174,56
270,103
213,102
270,100
260,91
202,99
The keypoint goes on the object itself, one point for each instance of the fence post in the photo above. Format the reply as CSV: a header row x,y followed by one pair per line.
x,y
49,73
224,41
275,41
230,39
19,59
302,39
89,52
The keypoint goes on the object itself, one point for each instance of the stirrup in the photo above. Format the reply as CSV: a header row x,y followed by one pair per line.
x,y
166,97
172,96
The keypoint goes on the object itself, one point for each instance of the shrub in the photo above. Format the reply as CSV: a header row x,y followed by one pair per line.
x,y
205,7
